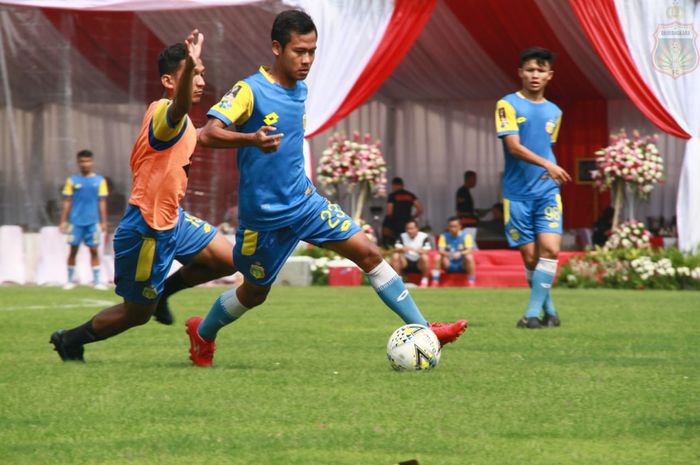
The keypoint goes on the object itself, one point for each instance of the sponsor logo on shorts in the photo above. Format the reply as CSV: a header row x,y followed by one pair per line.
x,y
514,234
149,292
257,271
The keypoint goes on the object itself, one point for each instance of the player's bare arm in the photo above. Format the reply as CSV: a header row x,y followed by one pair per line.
x,y
215,135
62,225
418,208
193,65
103,214
518,150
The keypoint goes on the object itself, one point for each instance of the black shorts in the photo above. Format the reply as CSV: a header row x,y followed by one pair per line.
x,y
412,266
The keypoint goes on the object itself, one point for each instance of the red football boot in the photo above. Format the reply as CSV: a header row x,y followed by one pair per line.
x,y
448,332
201,350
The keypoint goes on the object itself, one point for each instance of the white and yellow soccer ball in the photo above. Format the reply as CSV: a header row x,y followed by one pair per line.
x,y
413,347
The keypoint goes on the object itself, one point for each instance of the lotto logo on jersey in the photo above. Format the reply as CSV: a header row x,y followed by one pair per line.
x,y
271,118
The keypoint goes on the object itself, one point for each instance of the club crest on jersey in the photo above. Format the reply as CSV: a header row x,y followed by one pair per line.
x,y
271,118
257,271
549,126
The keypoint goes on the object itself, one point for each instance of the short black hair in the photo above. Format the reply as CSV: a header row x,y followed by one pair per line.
x,y
170,58
397,180
84,154
539,54
411,221
469,174
291,21
451,219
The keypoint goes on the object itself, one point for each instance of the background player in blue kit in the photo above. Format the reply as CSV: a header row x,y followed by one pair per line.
x,y
278,204
84,215
528,125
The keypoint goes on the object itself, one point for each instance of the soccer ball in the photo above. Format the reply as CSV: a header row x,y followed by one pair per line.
x,y
413,347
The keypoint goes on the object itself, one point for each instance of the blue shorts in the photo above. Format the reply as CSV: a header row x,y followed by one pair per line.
x,y
89,234
525,219
260,255
456,266
143,256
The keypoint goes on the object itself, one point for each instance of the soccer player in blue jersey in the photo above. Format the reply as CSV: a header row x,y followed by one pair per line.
x,y
455,247
278,204
528,125
84,215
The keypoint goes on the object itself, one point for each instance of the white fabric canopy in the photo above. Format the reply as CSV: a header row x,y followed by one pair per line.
x,y
652,31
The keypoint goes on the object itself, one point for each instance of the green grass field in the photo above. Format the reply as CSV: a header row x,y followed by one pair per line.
x,y
304,380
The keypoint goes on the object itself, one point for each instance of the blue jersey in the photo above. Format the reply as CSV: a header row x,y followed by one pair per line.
x,y
537,124
85,193
449,243
273,186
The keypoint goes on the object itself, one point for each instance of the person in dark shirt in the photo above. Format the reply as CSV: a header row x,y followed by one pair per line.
x,y
465,204
602,227
402,206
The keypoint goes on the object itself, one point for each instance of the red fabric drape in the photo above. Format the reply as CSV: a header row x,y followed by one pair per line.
x,y
99,37
584,130
599,20
504,31
404,27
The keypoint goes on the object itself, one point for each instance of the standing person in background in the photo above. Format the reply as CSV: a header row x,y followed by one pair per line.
x,y
528,125
84,215
465,203
402,206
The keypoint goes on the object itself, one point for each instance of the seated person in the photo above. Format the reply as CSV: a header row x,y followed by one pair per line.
x,y
411,255
602,227
494,227
455,247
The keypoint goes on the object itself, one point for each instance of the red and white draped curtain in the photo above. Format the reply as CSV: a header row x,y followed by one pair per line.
x,y
651,47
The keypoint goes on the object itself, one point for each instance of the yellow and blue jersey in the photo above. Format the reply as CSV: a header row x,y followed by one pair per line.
x,y
537,124
449,243
85,193
273,186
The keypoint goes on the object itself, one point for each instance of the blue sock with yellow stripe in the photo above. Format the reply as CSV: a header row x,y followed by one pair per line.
x,y
225,310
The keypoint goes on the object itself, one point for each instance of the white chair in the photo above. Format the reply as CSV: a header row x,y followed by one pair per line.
x,y
12,265
51,265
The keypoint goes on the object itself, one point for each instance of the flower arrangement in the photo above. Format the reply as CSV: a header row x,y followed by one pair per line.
x,y
352,161
630,234
633,269
633,162
369,231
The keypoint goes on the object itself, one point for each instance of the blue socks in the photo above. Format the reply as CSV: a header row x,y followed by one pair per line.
x,y
394,294
226,309
71,273
549,308
542,279
96,275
